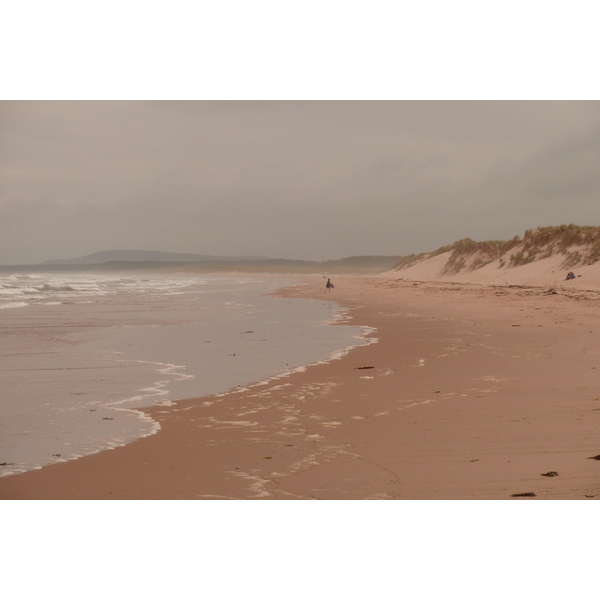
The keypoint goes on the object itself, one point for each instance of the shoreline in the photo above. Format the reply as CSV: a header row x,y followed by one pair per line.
x,y
75,372
472,392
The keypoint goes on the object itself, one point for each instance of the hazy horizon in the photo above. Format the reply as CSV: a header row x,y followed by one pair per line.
x,y
153,255
305,180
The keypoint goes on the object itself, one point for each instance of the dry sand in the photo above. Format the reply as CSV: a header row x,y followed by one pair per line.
x,y
473,391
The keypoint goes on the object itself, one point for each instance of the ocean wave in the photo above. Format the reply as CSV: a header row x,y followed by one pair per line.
x,y
32,288
13,305
48,287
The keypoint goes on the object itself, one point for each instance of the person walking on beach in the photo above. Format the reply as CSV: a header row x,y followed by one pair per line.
x,y
328,286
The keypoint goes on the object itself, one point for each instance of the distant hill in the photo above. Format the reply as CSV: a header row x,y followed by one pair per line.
x,y
131,257
111,260
107,256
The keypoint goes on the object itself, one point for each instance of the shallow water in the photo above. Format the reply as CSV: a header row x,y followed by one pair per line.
x,y
81,354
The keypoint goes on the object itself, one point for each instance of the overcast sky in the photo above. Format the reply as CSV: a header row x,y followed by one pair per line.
x,y
306,179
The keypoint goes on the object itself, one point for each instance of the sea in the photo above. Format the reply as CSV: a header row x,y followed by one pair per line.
x,y
82,354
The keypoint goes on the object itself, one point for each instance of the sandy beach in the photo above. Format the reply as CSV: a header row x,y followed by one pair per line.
x,y
471,391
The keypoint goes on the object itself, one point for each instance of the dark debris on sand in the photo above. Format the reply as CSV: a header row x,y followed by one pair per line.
x,y
524,494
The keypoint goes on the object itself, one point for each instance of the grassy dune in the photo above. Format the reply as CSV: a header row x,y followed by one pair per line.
x,y
579,245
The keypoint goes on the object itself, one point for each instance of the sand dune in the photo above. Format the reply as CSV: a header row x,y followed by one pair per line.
x,y
546,272
542,258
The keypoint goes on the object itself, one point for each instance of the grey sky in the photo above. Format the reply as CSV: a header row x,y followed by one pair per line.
x,y
306,179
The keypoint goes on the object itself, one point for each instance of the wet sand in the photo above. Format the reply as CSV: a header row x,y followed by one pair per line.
x,y
471,392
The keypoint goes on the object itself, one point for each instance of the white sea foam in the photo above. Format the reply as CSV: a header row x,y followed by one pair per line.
x,y
79,287
13,305
89,352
